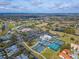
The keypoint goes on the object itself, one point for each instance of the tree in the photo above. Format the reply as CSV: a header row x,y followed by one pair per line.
x,y
69,30
65,46
72,38
11,25
31,42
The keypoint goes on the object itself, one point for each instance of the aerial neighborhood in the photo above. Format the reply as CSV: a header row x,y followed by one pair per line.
x,y
39,37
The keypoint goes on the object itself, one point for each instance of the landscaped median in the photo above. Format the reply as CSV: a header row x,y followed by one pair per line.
x,y
40,56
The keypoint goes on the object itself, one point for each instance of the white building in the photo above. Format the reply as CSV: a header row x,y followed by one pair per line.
x,y
75,46
45,37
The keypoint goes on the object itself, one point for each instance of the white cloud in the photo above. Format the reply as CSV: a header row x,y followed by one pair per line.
x,y
62,6
5,3
12,8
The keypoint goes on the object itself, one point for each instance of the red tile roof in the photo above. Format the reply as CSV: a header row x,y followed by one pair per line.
x,y
65,54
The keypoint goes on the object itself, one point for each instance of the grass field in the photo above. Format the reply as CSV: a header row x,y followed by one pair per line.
x,y
11,25
50,54
66,37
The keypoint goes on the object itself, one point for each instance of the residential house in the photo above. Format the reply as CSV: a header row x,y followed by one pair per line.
x,y
65,54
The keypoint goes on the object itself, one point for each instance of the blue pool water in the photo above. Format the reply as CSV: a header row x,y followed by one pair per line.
x,y
54,46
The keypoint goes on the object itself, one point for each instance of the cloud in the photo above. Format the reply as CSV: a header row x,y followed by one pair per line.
x,y
76,5
36,3
22,8
14,8
4,8
62,6
4,3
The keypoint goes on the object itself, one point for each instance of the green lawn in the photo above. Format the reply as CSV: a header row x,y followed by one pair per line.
x,y
11,25
0,25
66,37
67,40
50,54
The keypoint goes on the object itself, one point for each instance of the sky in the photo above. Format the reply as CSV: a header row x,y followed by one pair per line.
x,y
39,6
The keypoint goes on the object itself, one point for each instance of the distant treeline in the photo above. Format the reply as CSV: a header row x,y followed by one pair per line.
x,y
36,16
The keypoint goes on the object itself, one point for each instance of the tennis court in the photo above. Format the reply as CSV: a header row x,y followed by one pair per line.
x,y
59,42
56,45
39,48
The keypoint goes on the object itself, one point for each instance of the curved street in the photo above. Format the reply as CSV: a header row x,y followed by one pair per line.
x,y
40,56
